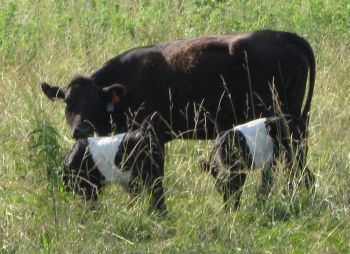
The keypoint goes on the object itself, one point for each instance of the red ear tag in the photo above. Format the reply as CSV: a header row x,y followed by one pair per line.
x,y
115,98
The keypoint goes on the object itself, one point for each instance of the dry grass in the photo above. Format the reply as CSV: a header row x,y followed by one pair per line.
x,y
54,40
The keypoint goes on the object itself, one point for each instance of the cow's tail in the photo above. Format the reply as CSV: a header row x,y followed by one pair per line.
x,y
305,47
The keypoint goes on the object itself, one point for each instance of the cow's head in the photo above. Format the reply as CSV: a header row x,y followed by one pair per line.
x,y
88,107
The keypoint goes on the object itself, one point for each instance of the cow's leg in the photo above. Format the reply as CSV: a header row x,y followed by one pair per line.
x,y
307,175
154,186
300,175
301,148
233,189
152,177
134,188
309,178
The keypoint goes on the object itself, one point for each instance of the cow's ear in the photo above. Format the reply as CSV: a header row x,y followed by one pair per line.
x,y
113,95
52,92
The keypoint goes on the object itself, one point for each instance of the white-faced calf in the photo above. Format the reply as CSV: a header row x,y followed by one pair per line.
x,y
256,145
133,159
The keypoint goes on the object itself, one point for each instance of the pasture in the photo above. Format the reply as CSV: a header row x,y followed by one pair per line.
x,y
56,40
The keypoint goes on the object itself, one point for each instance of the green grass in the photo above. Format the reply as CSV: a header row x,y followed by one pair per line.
x,y
56,40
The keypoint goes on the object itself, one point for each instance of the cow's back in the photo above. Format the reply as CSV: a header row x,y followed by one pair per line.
x,y
205,85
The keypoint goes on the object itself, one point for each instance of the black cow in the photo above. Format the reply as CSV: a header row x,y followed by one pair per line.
x,y
200,86
133,159
256,145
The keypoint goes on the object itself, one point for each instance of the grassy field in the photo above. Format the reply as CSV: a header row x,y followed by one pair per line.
x,y
55,40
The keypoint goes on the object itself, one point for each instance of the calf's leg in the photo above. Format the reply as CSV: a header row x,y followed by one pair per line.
x,y
266,184
157,195
233,189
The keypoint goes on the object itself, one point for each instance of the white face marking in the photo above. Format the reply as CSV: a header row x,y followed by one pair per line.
x,y
103,151
259,142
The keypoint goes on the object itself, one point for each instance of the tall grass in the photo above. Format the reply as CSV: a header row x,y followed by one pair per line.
x,y
55,40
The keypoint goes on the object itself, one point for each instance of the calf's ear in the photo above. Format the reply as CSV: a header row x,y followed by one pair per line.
x,y
52,92
113,95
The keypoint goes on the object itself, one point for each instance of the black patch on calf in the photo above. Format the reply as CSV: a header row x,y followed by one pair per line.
x,y
231,152
80,172
288,133
142,152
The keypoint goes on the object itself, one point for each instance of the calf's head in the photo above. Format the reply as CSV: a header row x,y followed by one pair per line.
x,y
88,107
80,174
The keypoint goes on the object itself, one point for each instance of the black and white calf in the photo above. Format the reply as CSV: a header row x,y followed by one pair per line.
x,y
133,159
256,145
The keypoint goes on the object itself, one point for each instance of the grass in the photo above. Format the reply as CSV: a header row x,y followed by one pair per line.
x,y
55,40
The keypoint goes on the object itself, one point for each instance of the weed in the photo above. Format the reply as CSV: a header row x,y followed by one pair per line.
x,y
55,40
